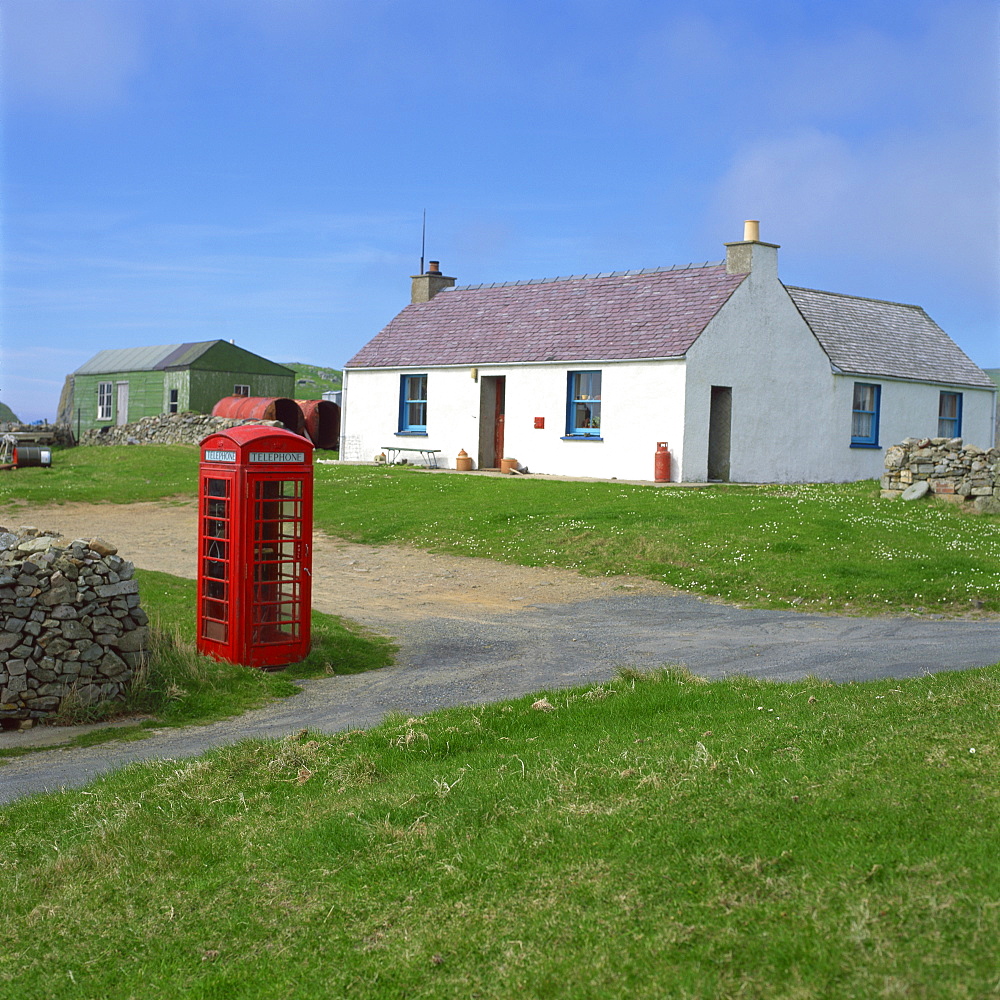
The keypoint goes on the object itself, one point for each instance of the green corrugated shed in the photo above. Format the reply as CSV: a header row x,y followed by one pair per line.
x,y
121,386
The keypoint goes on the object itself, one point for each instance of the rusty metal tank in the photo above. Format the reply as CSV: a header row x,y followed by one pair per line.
x,y
279,408
322,419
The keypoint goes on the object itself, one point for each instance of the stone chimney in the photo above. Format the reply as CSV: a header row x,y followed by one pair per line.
x,y
750,254
423,287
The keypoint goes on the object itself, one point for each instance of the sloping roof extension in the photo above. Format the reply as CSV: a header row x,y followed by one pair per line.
x,y
656,313
885,339
143,359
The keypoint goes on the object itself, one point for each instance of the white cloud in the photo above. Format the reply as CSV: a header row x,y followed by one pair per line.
x,y
76,53
912,196
880,148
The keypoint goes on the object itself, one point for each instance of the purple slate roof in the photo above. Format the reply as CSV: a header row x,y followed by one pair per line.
x,y
885,339
619,316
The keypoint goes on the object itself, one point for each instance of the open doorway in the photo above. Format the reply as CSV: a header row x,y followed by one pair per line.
x,y
492,407
720,423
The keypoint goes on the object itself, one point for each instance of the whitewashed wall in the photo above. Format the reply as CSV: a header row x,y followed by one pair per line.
x,y
642,403
782,400
906,409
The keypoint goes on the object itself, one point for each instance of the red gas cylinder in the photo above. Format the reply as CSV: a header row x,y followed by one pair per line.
x,y
661,464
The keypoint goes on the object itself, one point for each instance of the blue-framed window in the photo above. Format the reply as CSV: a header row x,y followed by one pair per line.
x,y
583,405
413,404
864,418
950,415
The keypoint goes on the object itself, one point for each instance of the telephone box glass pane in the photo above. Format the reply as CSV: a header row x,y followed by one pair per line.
x,y
213,609
216,631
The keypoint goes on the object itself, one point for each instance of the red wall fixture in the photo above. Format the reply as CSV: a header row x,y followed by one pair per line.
x,y
255,511
278,408
322,419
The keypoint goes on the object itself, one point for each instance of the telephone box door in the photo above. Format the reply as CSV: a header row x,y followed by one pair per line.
x,y
217,567
280,567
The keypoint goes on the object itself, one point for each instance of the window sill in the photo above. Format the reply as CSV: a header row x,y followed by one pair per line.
x,y
581,437
411,434
860,444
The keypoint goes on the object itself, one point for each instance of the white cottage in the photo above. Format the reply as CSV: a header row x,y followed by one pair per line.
x,y
745,378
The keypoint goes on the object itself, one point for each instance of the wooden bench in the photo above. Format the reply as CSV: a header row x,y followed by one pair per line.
x,y
430,454
33,437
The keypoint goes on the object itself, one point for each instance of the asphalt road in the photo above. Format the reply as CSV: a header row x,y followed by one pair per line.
x,y
449,661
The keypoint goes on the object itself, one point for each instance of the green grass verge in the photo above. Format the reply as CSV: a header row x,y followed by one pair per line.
x,y
653,837
111,474
832,547
817,547
180,687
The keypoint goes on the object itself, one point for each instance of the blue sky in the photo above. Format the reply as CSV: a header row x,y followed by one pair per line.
x,y
181,170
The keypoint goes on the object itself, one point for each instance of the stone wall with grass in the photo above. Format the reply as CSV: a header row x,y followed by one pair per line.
x,y
953,471
167,428
71,625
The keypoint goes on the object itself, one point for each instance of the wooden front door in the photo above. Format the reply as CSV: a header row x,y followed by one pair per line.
x,y
121,417
501,392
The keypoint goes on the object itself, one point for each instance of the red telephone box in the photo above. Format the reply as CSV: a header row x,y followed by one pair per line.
x,y
255,507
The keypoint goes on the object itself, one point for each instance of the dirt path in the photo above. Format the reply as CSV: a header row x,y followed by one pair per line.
x,y
376,585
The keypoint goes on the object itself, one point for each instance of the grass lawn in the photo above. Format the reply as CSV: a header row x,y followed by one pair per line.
x,y
831,547
817,547
115,474
653,837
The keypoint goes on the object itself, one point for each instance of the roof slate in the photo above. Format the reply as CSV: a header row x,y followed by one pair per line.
x,y
658,313
620,316
885,339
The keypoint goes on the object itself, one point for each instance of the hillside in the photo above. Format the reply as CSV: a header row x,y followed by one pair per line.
x,y
311,381
8,416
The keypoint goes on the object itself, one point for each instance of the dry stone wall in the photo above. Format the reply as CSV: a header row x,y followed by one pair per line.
x,y
952,471
167,428
71,624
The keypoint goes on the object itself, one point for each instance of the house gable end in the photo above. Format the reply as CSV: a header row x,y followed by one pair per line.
x,y
221,356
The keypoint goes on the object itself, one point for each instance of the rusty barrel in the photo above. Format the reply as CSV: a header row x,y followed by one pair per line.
x,y
285,411
27,457
322,419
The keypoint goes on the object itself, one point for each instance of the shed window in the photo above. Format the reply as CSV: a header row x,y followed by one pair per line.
x,y
864,420
413,404
241,390
104,400
950,415
583,405
172,405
